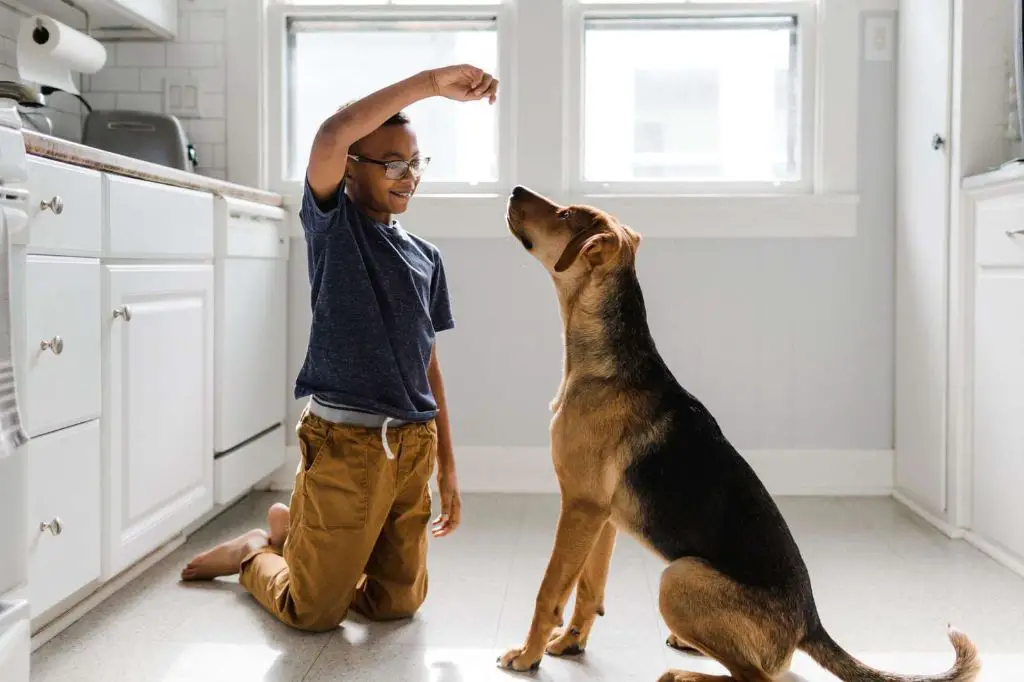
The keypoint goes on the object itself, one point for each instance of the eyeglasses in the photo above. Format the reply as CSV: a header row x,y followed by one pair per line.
x,y
396,170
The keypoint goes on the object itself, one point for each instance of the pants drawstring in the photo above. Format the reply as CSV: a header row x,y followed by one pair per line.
x,y
384,438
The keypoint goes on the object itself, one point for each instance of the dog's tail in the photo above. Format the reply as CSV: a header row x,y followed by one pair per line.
x,y
829,655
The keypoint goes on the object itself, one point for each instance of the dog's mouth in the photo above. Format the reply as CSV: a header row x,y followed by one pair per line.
x,y
516,230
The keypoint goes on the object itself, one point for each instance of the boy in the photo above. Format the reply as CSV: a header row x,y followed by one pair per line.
x,y
355,533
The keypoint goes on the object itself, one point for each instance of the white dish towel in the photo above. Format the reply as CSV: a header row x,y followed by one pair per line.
x,y
12,434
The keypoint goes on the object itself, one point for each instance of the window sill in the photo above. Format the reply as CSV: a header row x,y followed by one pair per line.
x,y
674,217
809,216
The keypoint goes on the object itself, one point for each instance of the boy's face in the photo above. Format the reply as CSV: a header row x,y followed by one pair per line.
x,y
368,184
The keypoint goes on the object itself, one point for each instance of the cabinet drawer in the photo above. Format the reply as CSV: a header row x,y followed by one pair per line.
x,y
997,222
75,193
147,220
62,310
64,486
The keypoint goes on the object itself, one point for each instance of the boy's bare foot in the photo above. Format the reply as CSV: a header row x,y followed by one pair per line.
x,y
278,520
225,557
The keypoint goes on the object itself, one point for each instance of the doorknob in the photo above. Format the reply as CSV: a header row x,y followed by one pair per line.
x,y
55,526
938,142
56,344
124,312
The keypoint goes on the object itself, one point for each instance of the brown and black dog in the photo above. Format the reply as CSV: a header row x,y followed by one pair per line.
x,y
633,450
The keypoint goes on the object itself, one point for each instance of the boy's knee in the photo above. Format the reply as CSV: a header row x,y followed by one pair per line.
x,y
315,619
383,607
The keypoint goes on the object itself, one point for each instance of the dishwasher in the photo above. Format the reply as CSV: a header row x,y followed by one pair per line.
x,y
250,344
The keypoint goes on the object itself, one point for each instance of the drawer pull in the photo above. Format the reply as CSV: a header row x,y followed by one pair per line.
x,y
124,312
55,526
1013,234
56,204
56,344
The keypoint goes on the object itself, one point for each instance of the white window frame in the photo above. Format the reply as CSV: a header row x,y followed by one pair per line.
x,y
540,106
579,13
279,13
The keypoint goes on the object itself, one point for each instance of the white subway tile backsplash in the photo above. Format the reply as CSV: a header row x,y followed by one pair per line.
x,y
210,80
153,79
207,130
115,79
141,101
135,76
204,27
211,105
192,55
139,54
101,100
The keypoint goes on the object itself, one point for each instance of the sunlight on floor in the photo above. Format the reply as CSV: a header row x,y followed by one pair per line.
x,y
208,661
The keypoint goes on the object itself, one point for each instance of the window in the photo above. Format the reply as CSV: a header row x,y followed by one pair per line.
x,y
331,62
684,99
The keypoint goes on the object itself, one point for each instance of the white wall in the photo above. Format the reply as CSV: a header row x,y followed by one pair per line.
x,y
63,110
788,341
133,77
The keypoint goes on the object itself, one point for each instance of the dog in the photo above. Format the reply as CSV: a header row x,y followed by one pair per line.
x,y
634,451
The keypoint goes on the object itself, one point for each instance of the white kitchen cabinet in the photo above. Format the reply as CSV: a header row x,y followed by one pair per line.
x,y
117,19
996,454
922,247
64,497
158,405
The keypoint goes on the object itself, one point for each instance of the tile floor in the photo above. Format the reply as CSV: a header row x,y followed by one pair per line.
x,y
886,586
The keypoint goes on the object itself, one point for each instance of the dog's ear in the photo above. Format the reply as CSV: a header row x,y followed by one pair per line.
x,y
593,242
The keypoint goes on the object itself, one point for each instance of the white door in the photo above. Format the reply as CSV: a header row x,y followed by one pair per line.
x,y
158,405
998,461
922,245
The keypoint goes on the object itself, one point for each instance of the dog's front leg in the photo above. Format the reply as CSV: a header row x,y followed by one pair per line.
x,y
579,526
572,641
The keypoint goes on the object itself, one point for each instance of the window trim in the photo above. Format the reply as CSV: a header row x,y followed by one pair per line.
x,y
277,37
533,144
580,12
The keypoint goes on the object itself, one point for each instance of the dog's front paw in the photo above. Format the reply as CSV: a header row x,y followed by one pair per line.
x,y
566,642
517,660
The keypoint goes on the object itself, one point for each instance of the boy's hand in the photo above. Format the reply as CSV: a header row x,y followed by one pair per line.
x,y
464,83
451,504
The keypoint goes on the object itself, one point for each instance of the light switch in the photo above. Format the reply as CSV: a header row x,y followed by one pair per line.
x,y
878,39
181,96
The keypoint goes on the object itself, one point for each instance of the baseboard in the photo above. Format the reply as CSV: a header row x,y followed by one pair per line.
x,y
943,526
1000,555
484,469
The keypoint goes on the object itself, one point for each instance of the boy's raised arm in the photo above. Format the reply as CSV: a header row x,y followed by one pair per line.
x,y
329,154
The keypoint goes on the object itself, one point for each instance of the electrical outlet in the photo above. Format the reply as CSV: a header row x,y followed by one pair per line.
x,y
181,96
878,39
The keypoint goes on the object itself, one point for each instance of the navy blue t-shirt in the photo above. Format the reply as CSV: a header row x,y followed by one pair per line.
x,y
379,296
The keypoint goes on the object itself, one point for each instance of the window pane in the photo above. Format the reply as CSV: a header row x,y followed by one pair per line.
x,y
691,99
333,62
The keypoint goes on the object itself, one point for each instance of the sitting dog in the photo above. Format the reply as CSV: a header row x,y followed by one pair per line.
x,y
633,450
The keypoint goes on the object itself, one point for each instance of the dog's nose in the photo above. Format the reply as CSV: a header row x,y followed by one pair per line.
x,y
518,191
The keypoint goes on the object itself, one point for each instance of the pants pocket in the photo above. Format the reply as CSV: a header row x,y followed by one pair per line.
x,y
336,487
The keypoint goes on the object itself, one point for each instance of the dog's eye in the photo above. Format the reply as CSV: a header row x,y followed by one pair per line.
x,y
564,214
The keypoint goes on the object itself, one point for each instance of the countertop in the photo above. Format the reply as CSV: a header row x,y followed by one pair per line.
x,y
76,154
1011,172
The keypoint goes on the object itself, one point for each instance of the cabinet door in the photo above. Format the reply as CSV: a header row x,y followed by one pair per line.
x,y
998,462
922,246
158,405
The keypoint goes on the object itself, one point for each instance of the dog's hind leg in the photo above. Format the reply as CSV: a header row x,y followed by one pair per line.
x,y
572,641
731,623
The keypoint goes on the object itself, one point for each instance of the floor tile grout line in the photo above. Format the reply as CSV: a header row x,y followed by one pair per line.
x,y
312,664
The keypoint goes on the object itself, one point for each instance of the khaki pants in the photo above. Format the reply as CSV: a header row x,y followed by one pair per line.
x,y
358,533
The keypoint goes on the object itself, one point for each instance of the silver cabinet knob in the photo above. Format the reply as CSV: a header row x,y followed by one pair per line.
x,y
124,312
55,526
938,142
1013,234
56,204
56,344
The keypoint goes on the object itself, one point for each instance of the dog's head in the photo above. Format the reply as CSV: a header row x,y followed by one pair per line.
x,y
570,241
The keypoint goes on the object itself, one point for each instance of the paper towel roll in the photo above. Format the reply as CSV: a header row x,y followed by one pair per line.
x,y
48,51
